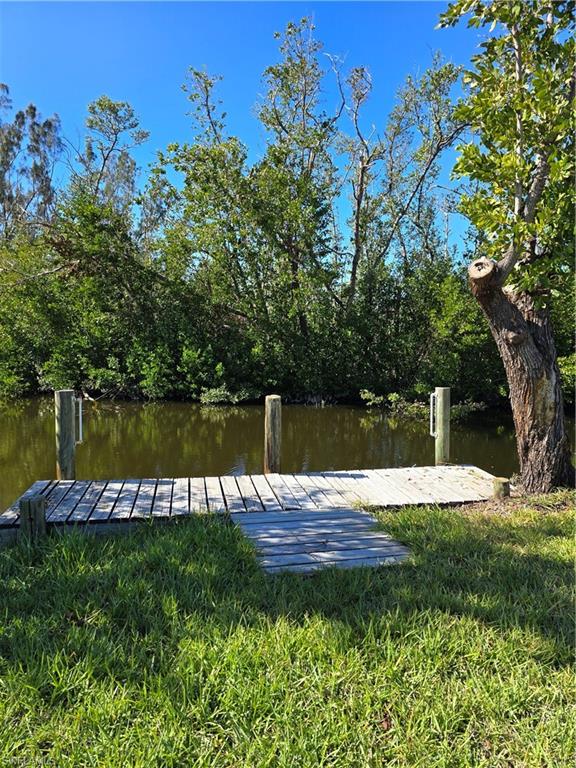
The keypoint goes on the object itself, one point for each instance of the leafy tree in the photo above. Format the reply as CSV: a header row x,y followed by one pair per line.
x,y
29,149
105,169
521,155
256,239
297,178
400,264
398,218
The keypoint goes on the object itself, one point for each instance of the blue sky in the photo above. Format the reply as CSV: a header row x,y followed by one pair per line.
x,y
63,55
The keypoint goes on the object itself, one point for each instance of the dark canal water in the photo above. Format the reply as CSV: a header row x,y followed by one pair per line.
x,y
182,439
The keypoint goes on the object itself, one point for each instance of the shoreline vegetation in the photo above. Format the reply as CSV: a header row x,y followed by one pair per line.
x,y
169,646
393,404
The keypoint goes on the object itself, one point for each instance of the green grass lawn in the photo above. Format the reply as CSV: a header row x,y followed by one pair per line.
x,y
169,647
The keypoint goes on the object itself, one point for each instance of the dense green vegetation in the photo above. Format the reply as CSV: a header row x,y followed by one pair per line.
x,y
170,647
224,278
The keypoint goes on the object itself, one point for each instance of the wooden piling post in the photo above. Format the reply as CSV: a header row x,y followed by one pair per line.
x,y
32,518
272,433
442,444
501,486
65,434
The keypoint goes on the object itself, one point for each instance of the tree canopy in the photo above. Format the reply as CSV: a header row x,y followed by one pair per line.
x,y
519,108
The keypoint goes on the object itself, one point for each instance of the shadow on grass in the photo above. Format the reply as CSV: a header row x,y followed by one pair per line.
x,y
149,591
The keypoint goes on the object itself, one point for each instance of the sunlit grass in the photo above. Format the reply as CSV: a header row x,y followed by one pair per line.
x,y
169,647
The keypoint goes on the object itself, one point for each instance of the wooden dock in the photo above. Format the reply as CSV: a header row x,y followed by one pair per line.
x,y
297,522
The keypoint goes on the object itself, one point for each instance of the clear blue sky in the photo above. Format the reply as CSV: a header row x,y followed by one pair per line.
x,y
61,56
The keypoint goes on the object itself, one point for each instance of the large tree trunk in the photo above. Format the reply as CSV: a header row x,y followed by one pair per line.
x,y
523,334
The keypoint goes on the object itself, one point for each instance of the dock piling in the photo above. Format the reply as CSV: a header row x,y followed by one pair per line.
x,y
272,433
501,487
65,434
442,432
32,518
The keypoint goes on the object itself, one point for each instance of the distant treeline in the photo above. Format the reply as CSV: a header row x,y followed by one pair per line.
x,y
223,279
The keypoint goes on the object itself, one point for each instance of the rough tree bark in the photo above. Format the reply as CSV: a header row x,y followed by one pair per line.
x,y
523,335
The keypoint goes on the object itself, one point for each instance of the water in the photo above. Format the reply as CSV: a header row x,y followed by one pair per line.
x,y
182,439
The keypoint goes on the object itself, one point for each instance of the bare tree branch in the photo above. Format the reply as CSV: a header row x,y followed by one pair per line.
x,y
440,146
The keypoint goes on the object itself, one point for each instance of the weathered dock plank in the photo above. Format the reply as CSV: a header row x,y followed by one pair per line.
x,y
474,477
413,487
232,495
346,485
282,491
442,480
216,502
359,562
266,494
303,498
393,492
142,508
303,526
258,518
162,498
324,544
198,500
180,497
281,561
334,497
332,557
107,501
249,494
126,500
62,511
83,509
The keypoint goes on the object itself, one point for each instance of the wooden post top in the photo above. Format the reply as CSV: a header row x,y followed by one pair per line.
x,y
501,486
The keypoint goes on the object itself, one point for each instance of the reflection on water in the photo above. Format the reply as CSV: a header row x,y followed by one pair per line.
x,y
182,439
